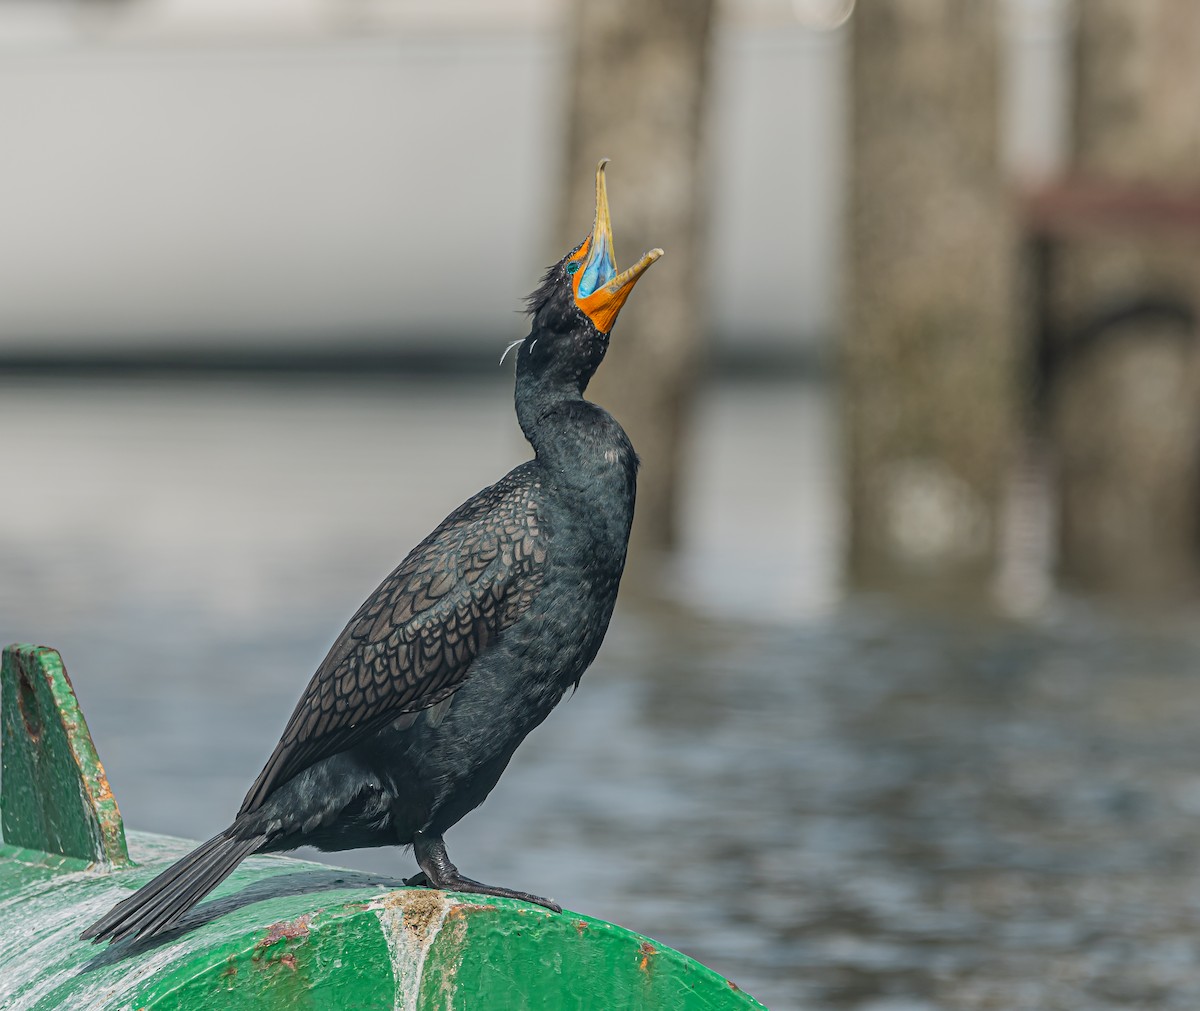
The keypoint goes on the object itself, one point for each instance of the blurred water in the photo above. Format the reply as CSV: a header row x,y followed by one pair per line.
x,y
837,805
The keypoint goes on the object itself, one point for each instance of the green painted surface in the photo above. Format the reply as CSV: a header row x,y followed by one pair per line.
x,y
285,933
56,797
279,933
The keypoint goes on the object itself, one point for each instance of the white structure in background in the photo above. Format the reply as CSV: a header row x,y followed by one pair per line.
x,y
217,172
1035,99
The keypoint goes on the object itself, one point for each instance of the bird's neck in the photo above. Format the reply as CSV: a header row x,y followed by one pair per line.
x,y
537,399
573,438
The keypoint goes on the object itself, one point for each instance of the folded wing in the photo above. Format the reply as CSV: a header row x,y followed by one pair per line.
x,y
413,641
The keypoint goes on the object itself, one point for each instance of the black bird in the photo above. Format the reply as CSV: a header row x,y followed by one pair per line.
x,y
467,646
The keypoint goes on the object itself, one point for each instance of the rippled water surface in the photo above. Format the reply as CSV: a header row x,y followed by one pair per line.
x,y
837,805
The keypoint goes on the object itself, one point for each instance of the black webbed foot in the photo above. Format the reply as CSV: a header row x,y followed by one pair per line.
x,y
459,883
438,872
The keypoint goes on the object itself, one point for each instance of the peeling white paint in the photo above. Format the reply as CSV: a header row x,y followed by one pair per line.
x,y
41,957
44,966
44,916
411,921
28,956
107,992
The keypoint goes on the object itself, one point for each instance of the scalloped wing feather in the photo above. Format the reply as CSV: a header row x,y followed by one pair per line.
x,y
412,642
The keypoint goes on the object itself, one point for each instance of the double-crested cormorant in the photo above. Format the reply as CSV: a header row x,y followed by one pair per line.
x,y
467,646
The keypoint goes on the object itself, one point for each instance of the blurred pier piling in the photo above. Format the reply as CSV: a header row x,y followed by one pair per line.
x,y
639,81
1125,421
929,348
996,322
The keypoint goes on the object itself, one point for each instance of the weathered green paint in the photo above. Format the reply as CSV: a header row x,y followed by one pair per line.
x,y
279,933
285,933
56,797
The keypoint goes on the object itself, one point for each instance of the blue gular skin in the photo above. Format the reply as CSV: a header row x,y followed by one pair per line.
x,y
600,269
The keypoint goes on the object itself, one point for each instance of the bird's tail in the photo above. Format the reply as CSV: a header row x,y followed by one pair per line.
x,y
158,905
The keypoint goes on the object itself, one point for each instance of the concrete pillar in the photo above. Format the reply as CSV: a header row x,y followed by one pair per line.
x,y
931,412
1127,412
639,77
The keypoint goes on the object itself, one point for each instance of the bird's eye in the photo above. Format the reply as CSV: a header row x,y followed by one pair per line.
x,y
573,267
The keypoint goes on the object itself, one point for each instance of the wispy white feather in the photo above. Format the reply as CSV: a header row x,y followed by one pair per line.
x,y
520,340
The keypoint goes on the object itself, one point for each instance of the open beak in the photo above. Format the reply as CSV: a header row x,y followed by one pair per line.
x,y
599,290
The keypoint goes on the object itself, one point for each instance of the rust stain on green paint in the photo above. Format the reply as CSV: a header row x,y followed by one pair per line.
x,y
462,909
647,951
287,930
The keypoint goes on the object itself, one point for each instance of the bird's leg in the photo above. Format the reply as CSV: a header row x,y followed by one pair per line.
x,y
439,872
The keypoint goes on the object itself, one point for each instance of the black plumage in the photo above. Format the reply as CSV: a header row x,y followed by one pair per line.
x,y
415,712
